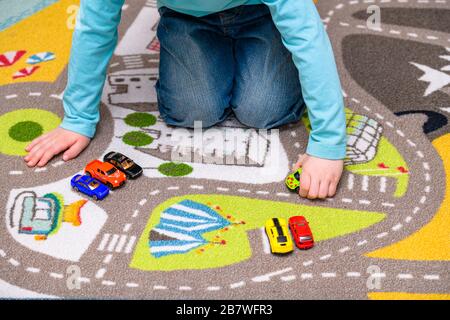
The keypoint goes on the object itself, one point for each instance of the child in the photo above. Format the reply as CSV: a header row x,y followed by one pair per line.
x,y
263,60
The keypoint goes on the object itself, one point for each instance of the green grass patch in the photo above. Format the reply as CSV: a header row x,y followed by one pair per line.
x,y
140,119
325,223
137,138
172,169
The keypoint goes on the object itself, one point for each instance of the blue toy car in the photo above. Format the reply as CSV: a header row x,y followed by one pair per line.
x,y
89,186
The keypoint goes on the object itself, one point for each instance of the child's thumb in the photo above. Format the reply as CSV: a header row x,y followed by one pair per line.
x,y
299,162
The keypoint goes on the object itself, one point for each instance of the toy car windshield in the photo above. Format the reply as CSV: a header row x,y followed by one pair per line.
x,y
93,185
305,238
126,164
78,178
297,175
111,171
282,239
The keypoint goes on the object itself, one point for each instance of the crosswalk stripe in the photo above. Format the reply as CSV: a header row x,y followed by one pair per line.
x,y
130,244
113,242
103,242
121,243
383,184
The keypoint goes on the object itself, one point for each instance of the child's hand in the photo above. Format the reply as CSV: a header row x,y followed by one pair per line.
x,y
45,147
319,177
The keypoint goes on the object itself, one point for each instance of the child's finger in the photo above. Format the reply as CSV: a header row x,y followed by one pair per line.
x,y
332,189
46,158
74,150
37,155
313,188
305,181
324,186
35,141
34,149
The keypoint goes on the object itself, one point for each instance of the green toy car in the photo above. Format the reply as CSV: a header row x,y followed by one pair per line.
x,y
293,180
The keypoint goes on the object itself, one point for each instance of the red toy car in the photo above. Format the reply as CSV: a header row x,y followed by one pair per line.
x,y
106,173
301,232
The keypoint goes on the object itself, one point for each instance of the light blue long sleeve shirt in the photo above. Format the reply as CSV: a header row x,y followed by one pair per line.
x,y
302,32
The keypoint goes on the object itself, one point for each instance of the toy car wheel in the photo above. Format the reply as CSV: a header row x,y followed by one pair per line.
x,y
94,197
296,189
109,185
76,189
88,174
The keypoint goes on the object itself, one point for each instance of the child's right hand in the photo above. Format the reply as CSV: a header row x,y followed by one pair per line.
x,y
45,147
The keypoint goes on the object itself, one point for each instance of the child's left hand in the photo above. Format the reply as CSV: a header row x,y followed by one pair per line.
x,y
319,177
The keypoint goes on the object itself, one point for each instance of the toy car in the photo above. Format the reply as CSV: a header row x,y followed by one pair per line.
x,y
301,232
278,234
89,186
293,180
124,164
106,173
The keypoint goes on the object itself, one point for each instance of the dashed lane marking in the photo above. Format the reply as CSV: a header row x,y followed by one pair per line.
x,y
266,277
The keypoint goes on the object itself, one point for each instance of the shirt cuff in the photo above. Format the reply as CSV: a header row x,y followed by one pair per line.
x,y
79,127
324,151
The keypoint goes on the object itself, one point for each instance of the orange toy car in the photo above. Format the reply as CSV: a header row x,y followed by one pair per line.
x,y
106,173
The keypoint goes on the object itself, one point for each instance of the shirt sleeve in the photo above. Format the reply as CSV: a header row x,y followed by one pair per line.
x,y
304,35
93,43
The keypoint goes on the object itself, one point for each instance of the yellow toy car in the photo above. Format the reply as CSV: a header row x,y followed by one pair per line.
x,y
278,234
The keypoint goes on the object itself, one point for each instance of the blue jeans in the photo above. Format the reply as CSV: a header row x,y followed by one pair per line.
x,y
230,61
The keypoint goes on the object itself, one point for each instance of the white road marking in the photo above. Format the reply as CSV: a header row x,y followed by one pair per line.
x,y
130,244
400,133
222,189
427,189
353,99
379,116
415,210
405,276
394,31
135,213
412,34
288,278
328,275
426,166
408,219
366,108
213,288
383,182
15,173
173,188
127,227
107,258
237,285
389,124
194,186
378,275
423,199
11,96
40,169
33,270
132,285
121,243
56,275
431,277
84,279
262,192
142,202
365,183
427,177
412,144
185,288
113,242
153,193
397,227
344,249
382,235
306,276
265,241
58,163
346,200
325,257
283,194
100,273
420,154
266,277
159,288
344,24
353,274
14,262
35,94
350,181
308,263
242,190
2,253
362,201
108,283
361,243
387,204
